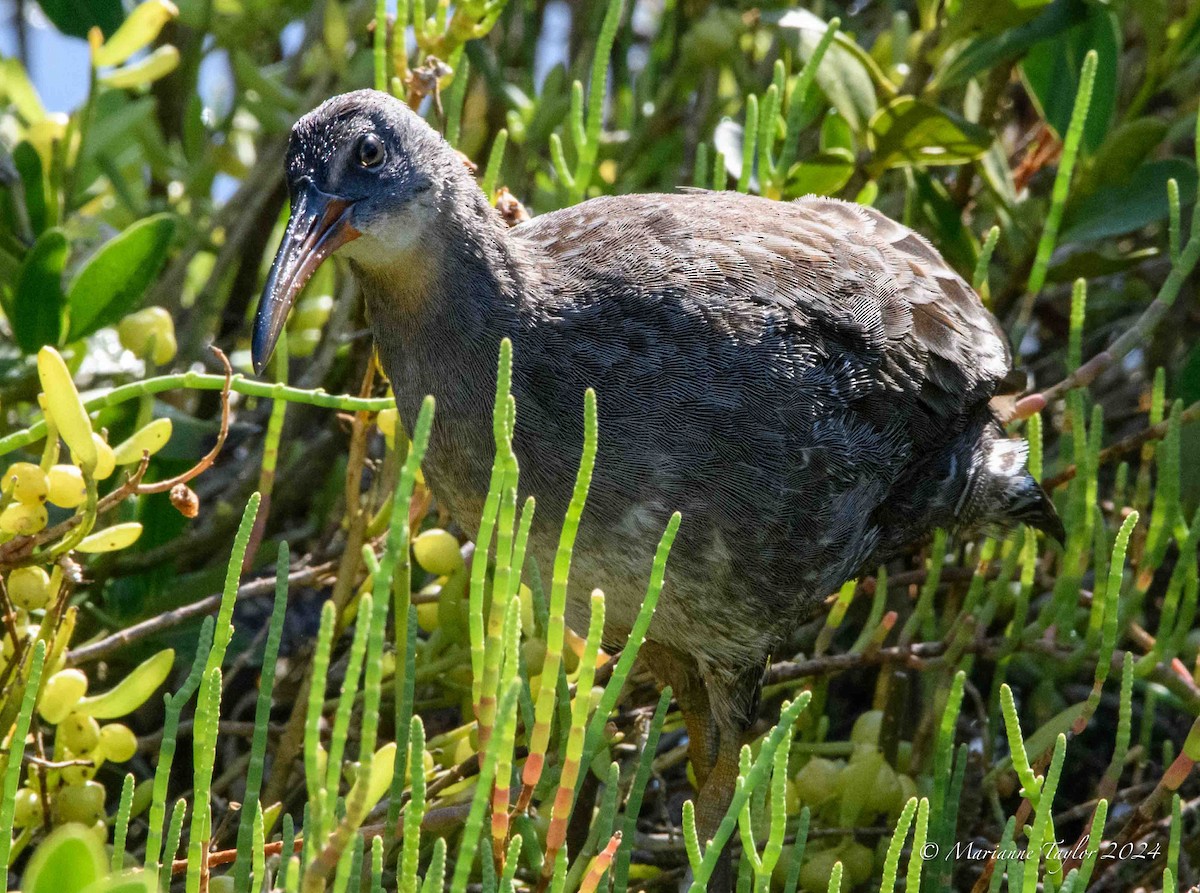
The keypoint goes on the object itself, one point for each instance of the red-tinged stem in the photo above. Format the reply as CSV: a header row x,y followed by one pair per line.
x,y
600,864
500,797
531,774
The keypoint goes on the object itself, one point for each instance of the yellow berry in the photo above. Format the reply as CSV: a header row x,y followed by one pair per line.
x,y
29,588
437,551
79,733
150,334
117,742
386,420
106,462
25,482
82,773
66,488
60,694
23,518
427,616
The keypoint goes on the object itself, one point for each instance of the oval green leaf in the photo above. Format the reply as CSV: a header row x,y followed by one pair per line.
x,y
1051,69
67,861
842,75
33,184
77,19
910,133
39,301
132,691
129,882
1124,207
111,284
823,174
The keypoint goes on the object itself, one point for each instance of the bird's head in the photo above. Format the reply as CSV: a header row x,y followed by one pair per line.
x,y
362,168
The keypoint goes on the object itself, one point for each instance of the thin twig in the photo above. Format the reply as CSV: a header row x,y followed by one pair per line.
x,y
1129,445
94,651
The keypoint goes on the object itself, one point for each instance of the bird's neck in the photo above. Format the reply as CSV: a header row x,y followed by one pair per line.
x,y
438,312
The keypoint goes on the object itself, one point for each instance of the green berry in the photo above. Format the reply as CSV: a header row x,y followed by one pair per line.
x,y
29,588
818,866
866,728
27,808
83,803
817,782
856,784
858,862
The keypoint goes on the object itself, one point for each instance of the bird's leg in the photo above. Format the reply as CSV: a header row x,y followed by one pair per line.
x,y
716,792
713,747
734,695
671,667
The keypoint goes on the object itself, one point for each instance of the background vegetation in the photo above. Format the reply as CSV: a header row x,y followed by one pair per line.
x,y
1000,694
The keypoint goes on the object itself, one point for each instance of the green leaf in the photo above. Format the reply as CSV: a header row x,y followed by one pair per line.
x,y
992,17
118,118
910,133
137,32
1124,207
145,70
942,222
1126,147
960,65
39,301
823,174
18,91
33,184
1093,263
113,281
835,133
77,19
1052,66
996,173
842,75
1043,739
67,861
129,882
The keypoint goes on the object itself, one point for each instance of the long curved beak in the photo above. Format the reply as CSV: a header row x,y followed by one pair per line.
x,y
319,224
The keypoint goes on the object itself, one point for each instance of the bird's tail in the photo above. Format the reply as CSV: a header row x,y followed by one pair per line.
x,y
1002,492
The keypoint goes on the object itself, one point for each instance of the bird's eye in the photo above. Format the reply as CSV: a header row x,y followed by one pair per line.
x,y
370,151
